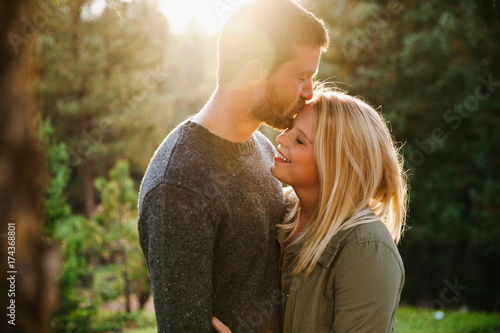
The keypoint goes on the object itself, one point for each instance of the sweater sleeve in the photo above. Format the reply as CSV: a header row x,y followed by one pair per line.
x,y
177,232
368,285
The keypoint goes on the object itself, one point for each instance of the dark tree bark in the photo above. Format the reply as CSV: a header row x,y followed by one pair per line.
x,y
31,287
88,178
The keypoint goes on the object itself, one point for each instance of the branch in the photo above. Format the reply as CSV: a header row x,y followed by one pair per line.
x,y
111,3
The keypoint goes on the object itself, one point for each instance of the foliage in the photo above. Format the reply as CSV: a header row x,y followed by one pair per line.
x,y
56,207
70,233
99,82
119,245
139,321
107,283
111,237
75,310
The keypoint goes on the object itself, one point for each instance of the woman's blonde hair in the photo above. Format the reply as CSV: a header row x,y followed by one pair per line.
x,y
361,175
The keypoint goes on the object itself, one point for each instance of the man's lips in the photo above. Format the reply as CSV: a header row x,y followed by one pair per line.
x,y
288,116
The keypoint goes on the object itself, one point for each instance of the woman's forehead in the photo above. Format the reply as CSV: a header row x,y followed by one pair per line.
x,y
304,121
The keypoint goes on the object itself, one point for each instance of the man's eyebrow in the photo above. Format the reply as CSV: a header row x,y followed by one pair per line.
x,y
309,72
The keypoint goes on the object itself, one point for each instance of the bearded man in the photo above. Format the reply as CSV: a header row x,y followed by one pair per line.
x,y
208,203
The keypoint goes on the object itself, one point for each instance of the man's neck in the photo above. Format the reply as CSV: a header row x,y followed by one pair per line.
x,y
228,115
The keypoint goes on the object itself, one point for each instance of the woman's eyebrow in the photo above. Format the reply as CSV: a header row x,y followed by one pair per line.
x,y
304,134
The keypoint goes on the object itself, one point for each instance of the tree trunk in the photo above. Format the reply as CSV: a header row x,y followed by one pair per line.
x,y
124,252
126,280
88,178
27,265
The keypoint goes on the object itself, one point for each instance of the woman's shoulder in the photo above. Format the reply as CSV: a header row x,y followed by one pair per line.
x,y
364,240
373,241
372,232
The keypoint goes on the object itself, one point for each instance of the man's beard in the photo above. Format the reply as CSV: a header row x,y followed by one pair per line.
x,y
270,111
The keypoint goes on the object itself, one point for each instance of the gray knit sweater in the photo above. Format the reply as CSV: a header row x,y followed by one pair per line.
x,y
207,214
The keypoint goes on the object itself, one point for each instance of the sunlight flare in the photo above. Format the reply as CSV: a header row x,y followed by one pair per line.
x,y
208,15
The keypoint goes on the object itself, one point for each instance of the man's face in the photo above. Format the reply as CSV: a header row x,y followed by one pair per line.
x,y
288,88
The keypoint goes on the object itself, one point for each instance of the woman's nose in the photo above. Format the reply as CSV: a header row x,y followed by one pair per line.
x,y
280,139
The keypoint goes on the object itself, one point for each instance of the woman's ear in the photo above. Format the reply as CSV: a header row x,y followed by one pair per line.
x,y
255,74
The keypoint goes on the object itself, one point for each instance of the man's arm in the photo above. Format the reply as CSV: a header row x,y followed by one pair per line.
x,y
177,231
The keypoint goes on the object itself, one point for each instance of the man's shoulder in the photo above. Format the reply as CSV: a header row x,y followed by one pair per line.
x,y
261,138
174,159
263,142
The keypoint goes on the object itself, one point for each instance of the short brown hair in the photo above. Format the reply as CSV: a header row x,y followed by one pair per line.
x,y
267,30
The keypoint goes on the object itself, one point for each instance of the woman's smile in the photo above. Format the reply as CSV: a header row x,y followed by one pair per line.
x,y
294,163
280,158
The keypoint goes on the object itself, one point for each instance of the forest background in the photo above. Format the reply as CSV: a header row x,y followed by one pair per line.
x,y
109,80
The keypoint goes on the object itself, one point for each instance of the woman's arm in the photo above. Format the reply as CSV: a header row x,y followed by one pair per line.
x,y
368,286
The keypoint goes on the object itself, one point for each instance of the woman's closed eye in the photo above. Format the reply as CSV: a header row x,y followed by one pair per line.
x,y
299,141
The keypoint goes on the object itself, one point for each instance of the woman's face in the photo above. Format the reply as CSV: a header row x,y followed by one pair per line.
x,y
294,164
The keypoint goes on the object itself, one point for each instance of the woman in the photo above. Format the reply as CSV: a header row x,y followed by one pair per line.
x,y
341,270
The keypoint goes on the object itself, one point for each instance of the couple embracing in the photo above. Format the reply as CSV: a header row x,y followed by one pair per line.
x,y
227,248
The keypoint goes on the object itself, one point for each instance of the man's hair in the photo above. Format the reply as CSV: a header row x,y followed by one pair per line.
x,y
267,30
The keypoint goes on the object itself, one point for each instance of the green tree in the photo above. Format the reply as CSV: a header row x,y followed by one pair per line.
x,y
117,217
71,236
98,77
55,206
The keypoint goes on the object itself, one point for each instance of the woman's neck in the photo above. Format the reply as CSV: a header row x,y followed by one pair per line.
x,y
307,199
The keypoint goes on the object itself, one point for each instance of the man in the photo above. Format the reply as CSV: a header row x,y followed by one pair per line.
x,y
208,204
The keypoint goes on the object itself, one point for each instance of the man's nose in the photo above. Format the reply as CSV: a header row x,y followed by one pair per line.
x,y
307,90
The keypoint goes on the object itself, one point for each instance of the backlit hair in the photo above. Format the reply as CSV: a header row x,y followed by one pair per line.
x,y
267,30
361,175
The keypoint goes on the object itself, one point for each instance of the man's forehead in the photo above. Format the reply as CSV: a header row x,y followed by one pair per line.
x,y
306,56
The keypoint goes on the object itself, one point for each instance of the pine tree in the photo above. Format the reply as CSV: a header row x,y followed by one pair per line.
x,y
117,218
97,78
70,234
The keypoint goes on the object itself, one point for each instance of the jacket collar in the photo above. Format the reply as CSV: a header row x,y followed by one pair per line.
x,y
332,248
328,254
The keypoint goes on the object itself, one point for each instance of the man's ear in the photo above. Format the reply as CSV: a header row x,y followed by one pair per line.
x,y
254,72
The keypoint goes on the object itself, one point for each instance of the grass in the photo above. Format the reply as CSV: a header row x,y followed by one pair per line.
x,y
115,321
415,320
408,320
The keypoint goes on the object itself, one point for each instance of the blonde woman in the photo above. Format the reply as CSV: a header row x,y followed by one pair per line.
x,y
341,269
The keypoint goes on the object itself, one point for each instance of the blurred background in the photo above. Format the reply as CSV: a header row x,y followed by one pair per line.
x,y
89,89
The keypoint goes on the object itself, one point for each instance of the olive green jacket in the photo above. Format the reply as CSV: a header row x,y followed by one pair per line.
x,y
355,287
